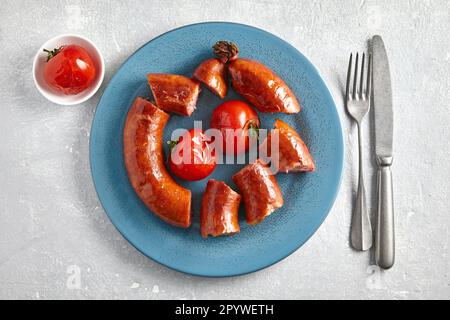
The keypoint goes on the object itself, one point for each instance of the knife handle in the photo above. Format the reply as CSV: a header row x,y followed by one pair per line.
x,y
385,239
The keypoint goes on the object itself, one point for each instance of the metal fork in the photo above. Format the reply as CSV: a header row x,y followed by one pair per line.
x,y
357,98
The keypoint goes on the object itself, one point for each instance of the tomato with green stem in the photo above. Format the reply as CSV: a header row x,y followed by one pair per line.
x,y
237,122
191,157
69,69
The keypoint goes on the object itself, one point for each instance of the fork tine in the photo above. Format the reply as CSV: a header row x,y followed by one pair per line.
x,y
349,75
361,79
355,79
369,77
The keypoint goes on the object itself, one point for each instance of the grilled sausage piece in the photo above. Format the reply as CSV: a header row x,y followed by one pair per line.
x,y
293,154
219,210
144,161
213,74
262,87
174,93
256,82
259,190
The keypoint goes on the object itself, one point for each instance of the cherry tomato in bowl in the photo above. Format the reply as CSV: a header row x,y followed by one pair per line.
x,y
241,119
69,69
192,158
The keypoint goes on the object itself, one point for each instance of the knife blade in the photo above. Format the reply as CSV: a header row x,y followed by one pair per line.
x,y
384,129
382,100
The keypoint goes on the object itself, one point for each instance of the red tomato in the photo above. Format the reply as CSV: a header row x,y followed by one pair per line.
x,y
235,115
69,69
200,160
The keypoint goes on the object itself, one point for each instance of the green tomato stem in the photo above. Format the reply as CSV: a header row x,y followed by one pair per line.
x,y
52,53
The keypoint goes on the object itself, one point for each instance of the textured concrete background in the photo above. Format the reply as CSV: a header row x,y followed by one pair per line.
x,y
57,242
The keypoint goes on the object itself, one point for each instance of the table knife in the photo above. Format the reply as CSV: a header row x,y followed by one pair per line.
x,y
384,127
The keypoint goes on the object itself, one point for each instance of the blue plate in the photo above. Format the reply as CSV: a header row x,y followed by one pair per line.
x,y
308,196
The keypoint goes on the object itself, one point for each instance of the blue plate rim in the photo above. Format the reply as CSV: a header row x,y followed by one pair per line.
x,y
340,155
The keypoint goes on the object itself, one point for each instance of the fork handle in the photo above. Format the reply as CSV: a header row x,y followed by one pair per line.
x,y
385,239
361,230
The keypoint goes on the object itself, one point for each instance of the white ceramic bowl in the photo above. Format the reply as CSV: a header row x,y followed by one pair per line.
x,y
40,61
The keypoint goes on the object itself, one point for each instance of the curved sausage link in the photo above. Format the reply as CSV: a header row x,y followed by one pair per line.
x,y
293,154
213,74
144,161
259,190
219,210
262,87
174,93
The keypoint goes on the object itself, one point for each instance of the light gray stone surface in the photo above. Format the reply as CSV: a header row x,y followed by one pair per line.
x,y
52,226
